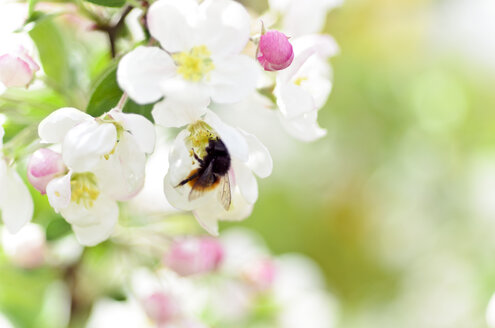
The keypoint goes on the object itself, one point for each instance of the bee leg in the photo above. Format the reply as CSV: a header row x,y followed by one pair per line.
x,y
197,158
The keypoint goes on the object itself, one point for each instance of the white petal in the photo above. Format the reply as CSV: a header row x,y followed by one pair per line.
x,y
207,220
173,113
15,200
181,90
246,182
323,45
293,100
171,23
231,137
226,27
3,88
141,71
260,160
139,127
304,127
178,197
56,125
85,144
59,192
95,225
233,79
179,158
121,176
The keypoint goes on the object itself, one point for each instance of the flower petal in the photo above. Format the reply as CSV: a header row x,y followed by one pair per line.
x,y
260,161
234,79
226,27
59,192
141,71
293,100
171,23
231,137
95,225
15,200
121,176
85,144
246,182
172,113
207,220
304,127
139,127
56,125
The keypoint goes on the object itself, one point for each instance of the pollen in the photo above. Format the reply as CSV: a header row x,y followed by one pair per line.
x,y
194,65
300,80
201,134
84,189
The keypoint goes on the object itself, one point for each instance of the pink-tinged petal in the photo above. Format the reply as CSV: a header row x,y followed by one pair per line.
x,y
234,79
16,203
43,166
192,256
226,27
161,307
14,71
172,23
27,248
59,192
56,125
275,51
141,72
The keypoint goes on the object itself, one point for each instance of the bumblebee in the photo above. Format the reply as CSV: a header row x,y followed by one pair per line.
x,y
213,172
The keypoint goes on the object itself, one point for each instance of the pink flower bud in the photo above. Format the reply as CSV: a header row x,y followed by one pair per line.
x,y
160,307
194,255
17,68
43,166
261,274
275,51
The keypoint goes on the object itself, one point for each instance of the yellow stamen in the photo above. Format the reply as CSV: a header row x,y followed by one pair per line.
x,y
84,189
194,65
300,80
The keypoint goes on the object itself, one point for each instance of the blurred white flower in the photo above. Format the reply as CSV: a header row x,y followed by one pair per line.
x,y
303,88
26,249
303,17
211,169
202,57
16,203
5,322
106,158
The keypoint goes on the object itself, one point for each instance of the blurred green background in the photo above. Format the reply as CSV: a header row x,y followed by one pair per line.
x,y
396,204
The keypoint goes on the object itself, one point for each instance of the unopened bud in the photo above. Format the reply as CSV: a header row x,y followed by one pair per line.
x,y
43,166
17,68
275,51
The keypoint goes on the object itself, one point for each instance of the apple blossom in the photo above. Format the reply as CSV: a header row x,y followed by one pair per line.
x,y
16,203
247,155
27,248
191,256
274,51
44,165
201,56
303,88
105,157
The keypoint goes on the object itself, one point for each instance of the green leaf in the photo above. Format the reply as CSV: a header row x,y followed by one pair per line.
x,y
53,51
106,95
108,3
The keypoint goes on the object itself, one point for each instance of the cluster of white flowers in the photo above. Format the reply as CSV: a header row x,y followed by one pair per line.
x,y
222,283
203,54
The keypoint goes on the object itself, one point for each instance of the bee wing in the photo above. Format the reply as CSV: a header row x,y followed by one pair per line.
x,y
224,194
202,183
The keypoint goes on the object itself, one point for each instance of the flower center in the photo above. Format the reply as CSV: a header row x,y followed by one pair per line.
x,y
201,134
194,65
84,189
